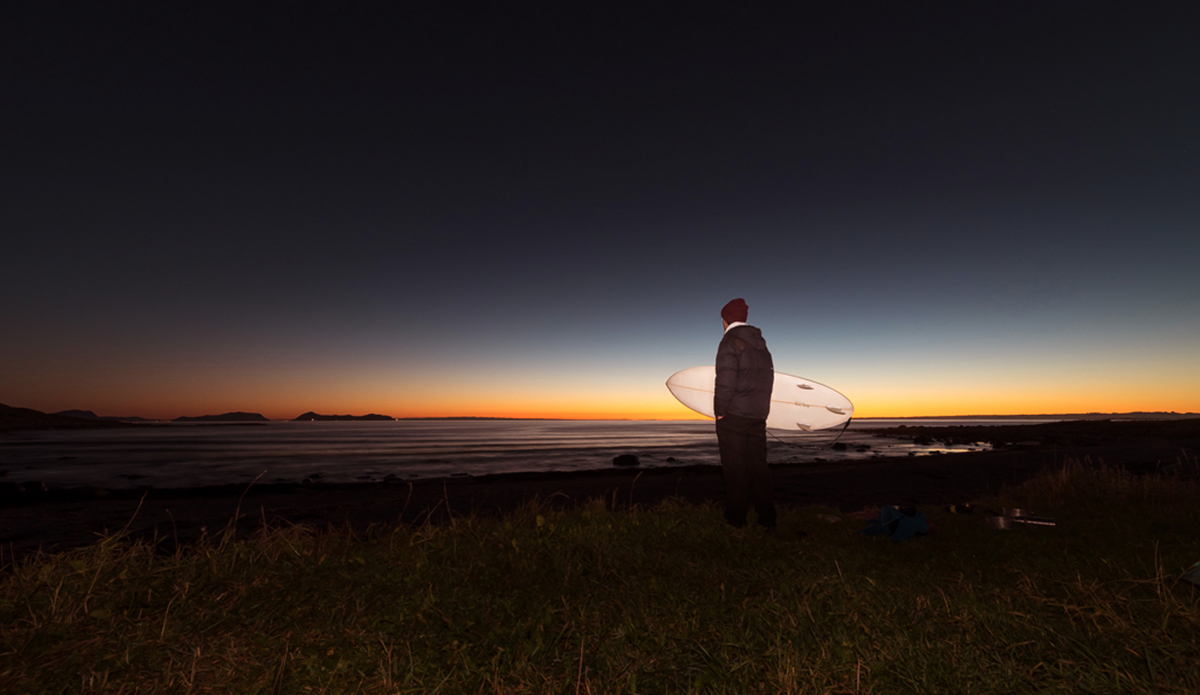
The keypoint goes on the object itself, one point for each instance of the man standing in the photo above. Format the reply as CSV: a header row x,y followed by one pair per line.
x,y
745,375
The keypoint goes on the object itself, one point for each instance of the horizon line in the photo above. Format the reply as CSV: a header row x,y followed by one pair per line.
x,y
684,418
385,418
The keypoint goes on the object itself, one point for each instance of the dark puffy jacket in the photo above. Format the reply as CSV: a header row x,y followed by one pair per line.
x,y
745,374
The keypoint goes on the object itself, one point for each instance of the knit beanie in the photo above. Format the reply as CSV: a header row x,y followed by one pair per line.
x,y
735,310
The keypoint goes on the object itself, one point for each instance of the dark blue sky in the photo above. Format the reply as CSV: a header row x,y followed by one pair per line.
x,y
484,208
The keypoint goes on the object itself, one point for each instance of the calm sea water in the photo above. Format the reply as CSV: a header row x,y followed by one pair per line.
x,y
175,455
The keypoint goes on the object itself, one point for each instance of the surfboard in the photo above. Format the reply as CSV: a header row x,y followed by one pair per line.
x,y
796,403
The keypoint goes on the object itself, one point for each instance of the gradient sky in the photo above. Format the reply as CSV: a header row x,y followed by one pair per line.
x,y
428,209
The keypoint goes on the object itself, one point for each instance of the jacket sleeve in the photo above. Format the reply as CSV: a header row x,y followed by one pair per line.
x,y
727,368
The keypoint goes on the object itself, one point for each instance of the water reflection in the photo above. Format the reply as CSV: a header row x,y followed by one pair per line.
x,y
192,455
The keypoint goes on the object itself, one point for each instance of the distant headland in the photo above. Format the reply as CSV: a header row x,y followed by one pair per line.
x,y
89,415
311,416
30,419
224,417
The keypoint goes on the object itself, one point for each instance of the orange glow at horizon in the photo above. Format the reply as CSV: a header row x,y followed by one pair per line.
x,y
635,398
925,405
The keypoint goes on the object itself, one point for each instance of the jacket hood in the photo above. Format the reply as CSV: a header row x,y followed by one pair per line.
x,y
749,335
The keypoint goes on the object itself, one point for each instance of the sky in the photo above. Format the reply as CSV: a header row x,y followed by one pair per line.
x,y
538,209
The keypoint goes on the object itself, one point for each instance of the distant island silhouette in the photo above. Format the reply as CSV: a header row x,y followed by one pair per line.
x,y
12,418
224,417
311,416
30,419
89,415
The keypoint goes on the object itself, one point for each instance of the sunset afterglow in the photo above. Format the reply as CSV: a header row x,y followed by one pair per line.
x,y
975,217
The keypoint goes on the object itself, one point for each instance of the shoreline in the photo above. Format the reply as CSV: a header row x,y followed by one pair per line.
x,y
176,515
169,516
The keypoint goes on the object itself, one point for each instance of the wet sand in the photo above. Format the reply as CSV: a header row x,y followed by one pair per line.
x,y
59,520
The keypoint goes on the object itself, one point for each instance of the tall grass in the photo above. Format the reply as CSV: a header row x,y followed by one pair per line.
x,y
1081,485
660,600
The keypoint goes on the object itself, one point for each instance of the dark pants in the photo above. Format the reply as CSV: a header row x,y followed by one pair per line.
x,y
743,445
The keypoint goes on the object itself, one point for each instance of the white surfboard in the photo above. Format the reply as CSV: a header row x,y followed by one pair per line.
x,y
796,403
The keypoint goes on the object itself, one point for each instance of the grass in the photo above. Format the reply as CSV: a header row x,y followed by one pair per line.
x,y
660,600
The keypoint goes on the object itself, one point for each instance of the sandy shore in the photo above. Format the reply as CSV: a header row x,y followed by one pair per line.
x,y
62,520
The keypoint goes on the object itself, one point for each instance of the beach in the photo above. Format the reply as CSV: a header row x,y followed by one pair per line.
x,y
56,520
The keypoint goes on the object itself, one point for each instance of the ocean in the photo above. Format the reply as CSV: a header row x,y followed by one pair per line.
x,y
192,455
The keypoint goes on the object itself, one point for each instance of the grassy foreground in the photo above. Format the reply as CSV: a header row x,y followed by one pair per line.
x,y
662,600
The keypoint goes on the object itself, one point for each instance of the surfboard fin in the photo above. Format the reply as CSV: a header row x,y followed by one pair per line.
x,y
835,411
806,387
803,427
